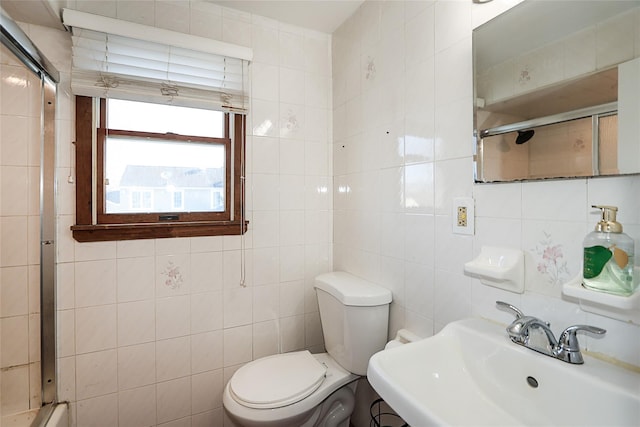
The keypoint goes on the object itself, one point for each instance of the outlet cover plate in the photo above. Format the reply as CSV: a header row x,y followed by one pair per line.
x,y
463,215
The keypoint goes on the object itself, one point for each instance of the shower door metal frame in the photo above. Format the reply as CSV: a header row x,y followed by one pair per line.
x,y
21,46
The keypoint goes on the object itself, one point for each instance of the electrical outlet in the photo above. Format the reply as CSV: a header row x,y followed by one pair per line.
x,y
463,215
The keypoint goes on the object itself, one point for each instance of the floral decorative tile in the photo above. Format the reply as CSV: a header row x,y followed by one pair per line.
x,y
551,262
172,275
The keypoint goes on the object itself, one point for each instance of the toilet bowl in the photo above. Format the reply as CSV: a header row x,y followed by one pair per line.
x,y
300,389
290,397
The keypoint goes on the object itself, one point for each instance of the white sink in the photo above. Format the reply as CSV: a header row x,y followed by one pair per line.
x,y
471,374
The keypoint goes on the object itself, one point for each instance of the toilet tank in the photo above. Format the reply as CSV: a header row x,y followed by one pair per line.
x,y
355,315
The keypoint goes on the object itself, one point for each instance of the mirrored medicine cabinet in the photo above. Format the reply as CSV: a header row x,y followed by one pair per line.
x,y
557,91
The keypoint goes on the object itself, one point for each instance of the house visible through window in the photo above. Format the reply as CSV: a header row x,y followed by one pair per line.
x,y
168,170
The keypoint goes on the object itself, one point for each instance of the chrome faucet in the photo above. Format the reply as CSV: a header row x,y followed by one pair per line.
x,y
566,348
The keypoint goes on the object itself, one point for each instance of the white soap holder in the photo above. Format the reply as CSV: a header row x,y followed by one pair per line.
x,y
498,267
616,307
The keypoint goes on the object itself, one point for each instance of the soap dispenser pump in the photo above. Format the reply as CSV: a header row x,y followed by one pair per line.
x,y
608,256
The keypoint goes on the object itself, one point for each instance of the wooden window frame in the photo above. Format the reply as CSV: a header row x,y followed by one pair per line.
x,y
109,227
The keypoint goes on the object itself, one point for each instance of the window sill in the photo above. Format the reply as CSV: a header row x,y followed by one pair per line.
x,y
111,232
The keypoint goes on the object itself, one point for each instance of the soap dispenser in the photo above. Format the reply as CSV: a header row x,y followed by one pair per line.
x,y
608,256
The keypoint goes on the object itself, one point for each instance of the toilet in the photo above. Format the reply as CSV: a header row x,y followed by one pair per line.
x,y
300,389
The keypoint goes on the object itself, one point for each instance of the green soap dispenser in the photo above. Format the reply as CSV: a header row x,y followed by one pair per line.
x,y
608,256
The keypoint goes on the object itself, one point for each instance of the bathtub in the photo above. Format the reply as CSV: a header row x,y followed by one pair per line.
x,y
53,416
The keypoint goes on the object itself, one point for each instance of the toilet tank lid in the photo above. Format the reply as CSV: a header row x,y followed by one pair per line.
x,y
352,290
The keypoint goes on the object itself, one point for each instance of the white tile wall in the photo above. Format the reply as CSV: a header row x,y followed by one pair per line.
x,y
363,137
166,321
423,132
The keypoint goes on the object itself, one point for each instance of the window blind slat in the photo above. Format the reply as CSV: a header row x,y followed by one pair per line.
x,y
111,65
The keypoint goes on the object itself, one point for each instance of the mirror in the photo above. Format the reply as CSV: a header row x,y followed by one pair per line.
x,y
557,91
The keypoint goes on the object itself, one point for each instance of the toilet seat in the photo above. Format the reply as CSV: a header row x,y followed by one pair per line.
x,y
277,381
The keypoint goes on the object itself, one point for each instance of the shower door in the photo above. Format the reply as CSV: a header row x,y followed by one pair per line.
x,y
27,222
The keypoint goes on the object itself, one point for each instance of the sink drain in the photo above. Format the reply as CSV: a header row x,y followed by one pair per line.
x,y
532,382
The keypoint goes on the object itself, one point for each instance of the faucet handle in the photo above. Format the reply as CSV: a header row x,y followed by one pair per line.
x,y
512,308
568,348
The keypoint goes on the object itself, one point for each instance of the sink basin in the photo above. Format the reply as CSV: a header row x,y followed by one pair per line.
x,y
471,374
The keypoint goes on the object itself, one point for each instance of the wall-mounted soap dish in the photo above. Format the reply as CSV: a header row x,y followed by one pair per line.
x,y
614,306
498,267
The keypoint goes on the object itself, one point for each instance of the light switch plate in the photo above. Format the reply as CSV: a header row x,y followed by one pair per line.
x,y
463,215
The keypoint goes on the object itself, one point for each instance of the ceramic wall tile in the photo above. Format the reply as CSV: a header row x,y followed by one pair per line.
x,y
136,366
452,68
135,279
266,44
318,190
215,417
291,194
265,192
391,276
266,303
291,263
291,50
137,407
265,266
317,90
419,36
266,155
65,329
66,378
14,131
135,248
418,187
14,185
206,271
313,337
236,31
292,333
136,12
565,202
173,399
173,358
207,244
265,338
206,391
14,296
266,81
95,328
206,352
237,307
172,15
237,345
95,283
13,246
173,275
14,335
453,178
103,408
452,23
614,191
206,20
96,374
173,246
206,311
137,321
173,316
292,83
292,121
291,298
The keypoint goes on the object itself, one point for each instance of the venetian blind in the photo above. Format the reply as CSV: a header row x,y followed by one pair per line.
x,y
120,59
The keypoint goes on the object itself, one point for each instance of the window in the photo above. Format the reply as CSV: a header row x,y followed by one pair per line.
x,y
160,171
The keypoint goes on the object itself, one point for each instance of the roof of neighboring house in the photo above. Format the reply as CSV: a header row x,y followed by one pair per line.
x,y
181,177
